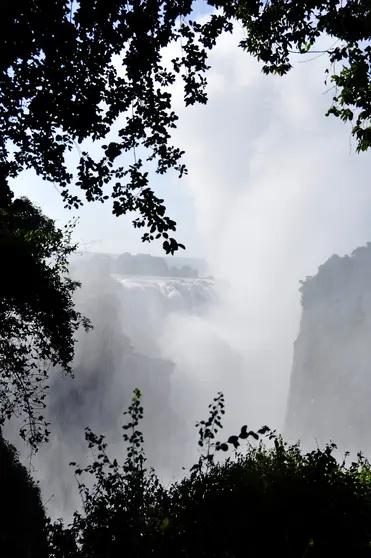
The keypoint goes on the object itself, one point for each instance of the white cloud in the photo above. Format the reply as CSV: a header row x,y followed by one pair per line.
x,y
277,190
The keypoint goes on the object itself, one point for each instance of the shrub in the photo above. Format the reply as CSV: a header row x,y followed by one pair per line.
x,y
265,499
22,518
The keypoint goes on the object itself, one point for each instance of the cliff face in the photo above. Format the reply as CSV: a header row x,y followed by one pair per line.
x,y
330,389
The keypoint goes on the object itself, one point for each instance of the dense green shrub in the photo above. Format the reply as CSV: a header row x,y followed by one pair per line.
x,y
22,518
266,499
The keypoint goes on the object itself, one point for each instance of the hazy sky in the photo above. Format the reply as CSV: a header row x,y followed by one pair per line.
x,y
261,150
277,189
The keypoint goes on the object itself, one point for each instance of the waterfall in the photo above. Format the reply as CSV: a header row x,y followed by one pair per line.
x,y
122,352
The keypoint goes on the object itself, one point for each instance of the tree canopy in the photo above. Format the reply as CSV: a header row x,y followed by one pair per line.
x,y
89,65
37,315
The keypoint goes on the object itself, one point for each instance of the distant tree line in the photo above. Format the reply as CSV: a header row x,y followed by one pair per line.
x,y
146,265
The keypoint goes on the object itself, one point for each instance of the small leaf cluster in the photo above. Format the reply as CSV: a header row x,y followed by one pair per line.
x,y
277,29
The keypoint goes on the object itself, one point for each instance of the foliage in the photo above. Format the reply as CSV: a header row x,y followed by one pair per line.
x,y
69,77
279,28
117,509
94,66
262,501
23,531
37,315
144,264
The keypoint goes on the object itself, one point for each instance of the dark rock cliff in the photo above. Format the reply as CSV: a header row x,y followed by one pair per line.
x,y
330,389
